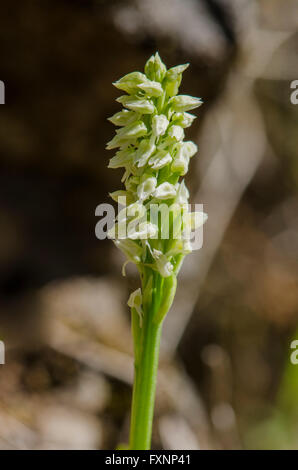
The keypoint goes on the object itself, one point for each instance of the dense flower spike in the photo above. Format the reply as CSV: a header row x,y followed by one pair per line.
x,y
154,156
154,224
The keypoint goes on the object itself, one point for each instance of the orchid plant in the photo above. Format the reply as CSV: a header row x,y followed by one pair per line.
x,y
154,156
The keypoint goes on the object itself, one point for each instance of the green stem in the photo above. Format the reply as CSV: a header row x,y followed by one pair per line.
x,y
146,364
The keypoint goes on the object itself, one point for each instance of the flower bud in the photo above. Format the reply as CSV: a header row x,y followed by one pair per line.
x,y
130,82
183,103
174,72
123,118
121,159
182,194
173,79
122,197
155,69
130,132
151,88
135,104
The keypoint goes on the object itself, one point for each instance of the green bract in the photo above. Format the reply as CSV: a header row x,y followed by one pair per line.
x,y
154,156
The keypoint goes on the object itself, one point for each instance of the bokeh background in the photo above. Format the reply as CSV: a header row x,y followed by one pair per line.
x,y
225,380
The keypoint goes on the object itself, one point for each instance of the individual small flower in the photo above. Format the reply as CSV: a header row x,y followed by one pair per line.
x,y
163,265
160,159
137,104
144,231
183,119
132,131
121,159
135,301
186,246
192,221
151,88
123,118
173,79
185,150
131,249
183,103
122,197
189,149
176,132
145,150
146,188
155,69
182,194
197,219
135,210
180,164
165,191
159,124
130,82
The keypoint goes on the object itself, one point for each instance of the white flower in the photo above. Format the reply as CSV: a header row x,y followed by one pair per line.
x,y
135,210
184,119
174,72
122,197
145,230
135,301
160,159
146,148
159,124
131,249
180,164
192,221
189,149
123,118
197,219
164,266
183,103
121,159
155,69
165,191
151,88
186,246
132,131
176,132
182,194
130,82
146,188
135,104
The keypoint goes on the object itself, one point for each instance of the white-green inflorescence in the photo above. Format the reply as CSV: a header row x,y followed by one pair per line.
x,y
154,155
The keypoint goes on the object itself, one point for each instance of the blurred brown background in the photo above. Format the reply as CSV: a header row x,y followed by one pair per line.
x,y
226,381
